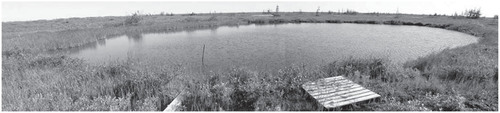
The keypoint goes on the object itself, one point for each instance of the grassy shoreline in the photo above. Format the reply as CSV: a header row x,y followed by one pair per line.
x,y
463,78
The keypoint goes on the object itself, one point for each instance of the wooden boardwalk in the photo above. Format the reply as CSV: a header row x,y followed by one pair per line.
x,y
337,91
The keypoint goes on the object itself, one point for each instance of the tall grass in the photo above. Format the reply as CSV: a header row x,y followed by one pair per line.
x,y
400,88
58,83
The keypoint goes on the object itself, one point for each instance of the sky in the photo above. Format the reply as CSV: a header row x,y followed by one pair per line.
x,y
36,10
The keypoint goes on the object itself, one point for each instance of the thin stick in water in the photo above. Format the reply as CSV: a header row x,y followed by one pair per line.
x,y
203,56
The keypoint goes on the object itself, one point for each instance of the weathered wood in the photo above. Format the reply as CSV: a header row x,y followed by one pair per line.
x,y
337,91
176,104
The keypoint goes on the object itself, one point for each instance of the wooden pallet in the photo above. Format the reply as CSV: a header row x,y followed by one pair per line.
x,y
337,91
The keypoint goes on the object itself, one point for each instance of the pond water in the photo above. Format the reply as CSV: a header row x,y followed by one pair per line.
x,y
268,47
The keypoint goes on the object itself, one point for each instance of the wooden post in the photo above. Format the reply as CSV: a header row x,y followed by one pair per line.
x,y
203,56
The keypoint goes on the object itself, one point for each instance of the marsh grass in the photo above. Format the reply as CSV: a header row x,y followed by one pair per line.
x,y
59,83
463,78
401,89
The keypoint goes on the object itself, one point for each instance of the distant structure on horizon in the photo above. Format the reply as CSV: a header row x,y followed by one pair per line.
x,y
277,8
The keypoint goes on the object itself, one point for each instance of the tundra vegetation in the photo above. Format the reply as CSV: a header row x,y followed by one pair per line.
x,y
458,79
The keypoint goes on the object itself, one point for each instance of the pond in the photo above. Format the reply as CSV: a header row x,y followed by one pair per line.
x,y
269,47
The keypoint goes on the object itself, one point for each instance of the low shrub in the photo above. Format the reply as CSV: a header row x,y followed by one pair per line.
x,y
132,20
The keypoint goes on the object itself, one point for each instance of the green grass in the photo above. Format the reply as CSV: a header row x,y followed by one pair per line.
x,y
458,79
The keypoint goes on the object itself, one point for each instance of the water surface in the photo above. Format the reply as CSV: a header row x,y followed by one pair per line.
x,y
269,47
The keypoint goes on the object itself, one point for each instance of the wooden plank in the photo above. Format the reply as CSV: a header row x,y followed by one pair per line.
x,y
337,91
337,104
333,89
315,87
176,104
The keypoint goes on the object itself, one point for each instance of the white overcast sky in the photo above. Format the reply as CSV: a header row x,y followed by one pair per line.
x,y
35,10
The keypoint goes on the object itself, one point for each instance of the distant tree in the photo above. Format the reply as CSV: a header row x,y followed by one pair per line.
x,y
317,12
397,13
456,15
277,9
350,12
472,13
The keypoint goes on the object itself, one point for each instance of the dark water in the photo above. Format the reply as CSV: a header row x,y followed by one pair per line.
x,y
263,47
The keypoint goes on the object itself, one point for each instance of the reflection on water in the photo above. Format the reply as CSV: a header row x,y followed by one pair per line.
x,y
89,46
137,38
270,47
101,42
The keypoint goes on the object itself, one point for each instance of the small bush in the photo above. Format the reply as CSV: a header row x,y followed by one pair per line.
x,y
132,20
